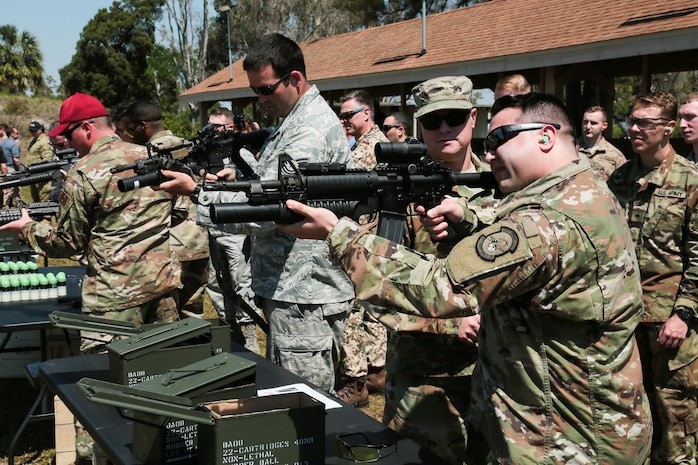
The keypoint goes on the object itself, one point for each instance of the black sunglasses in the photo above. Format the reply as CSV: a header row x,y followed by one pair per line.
x,y
345,115
268,90
453,118
361,453
68,133
644,123
388,127
500,135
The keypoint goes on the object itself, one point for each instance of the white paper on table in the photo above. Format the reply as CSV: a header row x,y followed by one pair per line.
x,y
300,387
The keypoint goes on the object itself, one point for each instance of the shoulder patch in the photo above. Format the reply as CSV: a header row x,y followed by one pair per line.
x,y
499,246
497,243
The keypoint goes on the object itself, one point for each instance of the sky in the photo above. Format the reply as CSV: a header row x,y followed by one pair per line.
x,y
56,25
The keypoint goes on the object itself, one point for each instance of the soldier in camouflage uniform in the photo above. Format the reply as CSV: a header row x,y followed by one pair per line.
x,y
365,340
604,157
130,274
38,150
429,368
556,282
188,240
304,297
131,270
658,191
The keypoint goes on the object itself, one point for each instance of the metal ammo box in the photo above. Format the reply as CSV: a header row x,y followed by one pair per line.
x,y
160,436
151,350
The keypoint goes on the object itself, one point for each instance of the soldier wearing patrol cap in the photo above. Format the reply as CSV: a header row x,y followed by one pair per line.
x,y
430,362
555,281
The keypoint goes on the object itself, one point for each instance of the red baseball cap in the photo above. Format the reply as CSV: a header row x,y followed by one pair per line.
x,y
78,107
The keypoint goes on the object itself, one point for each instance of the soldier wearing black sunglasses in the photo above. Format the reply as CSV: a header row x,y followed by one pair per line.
x,y
290,277
555,283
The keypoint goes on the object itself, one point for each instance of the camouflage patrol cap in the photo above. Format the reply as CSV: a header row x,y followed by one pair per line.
x,y
443,93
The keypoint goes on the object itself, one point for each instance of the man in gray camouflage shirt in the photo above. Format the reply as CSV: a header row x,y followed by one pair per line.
x,y
304,298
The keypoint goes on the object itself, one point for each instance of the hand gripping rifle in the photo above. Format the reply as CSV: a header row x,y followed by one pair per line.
x,y
209,152
42,171
8,215
404,175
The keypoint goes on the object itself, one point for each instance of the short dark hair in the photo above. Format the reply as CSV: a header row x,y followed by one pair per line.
x,y
275,50
143,110
362,97
403,120
538,108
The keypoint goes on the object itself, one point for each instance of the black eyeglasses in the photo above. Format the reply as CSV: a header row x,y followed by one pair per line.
x,y
644,123
361,453
500,135
68,133
388,127
268,90
345,115
453,118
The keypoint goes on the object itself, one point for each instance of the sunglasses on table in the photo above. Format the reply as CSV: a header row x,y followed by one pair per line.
x,y
361,453
500,135
270,89
453,118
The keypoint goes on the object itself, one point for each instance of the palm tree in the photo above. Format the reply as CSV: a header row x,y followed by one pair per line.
x,y
21,61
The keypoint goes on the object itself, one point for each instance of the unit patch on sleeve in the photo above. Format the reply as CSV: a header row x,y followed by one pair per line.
x,y
495,244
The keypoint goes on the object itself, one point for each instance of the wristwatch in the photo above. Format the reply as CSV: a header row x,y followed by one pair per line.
x,y
684,313
194,196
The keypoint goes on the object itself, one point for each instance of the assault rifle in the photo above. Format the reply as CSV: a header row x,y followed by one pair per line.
x,y
209,152
8,215
404,175
42,171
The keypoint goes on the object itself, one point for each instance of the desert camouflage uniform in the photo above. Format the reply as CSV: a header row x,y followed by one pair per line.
x,y
363,150
39,150
661,210
558,380
604,157
189,242
304,297
131,270
364,342
429,369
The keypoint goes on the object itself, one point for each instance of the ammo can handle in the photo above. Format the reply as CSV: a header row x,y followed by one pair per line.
x,y
124,397
69,320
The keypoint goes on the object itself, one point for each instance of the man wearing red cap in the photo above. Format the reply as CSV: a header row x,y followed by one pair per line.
x,y
131,271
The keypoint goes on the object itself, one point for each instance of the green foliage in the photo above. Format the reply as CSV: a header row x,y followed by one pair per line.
x,y
180,124
21,62
161,65
111,62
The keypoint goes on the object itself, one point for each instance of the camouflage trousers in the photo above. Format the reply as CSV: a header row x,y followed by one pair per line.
x,y
364,343
190,298
672,398
432,412
305,338
160,310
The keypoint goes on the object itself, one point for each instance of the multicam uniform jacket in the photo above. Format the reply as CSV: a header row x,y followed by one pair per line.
x,y
188,240
604,157
125,235
557,282
661,208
